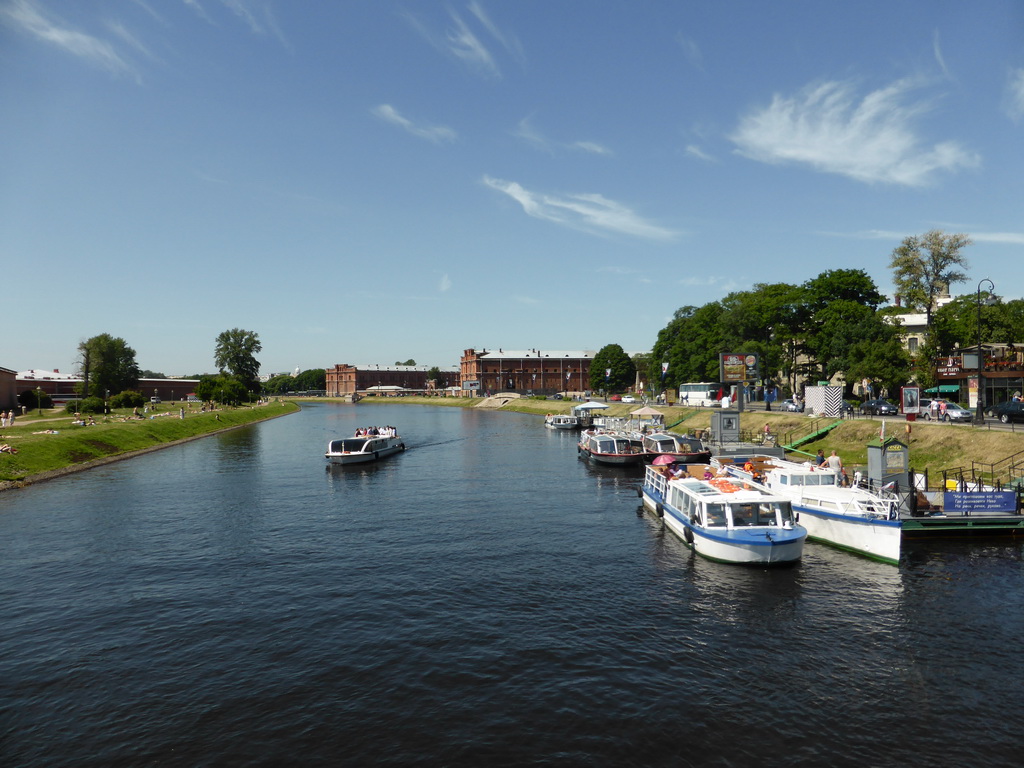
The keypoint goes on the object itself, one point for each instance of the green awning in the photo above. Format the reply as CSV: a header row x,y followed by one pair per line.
x,y
942,388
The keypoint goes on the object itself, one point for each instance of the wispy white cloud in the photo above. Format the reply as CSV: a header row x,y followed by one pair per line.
x,y
526,131
589,212
1005,238
445,283
465,45
691,51
591,146
463,42
122,32
1014,98
241,9
199,9
526,300
937,52
434,133
29,17
694,151
508,41
870,140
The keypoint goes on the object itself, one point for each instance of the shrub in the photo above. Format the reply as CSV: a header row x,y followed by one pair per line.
x,y
128,399
85,405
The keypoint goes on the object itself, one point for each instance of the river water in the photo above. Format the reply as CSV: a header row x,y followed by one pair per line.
x,y
485,598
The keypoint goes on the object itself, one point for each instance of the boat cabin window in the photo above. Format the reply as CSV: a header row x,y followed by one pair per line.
x,y
348,446
743,514
818,478
715,515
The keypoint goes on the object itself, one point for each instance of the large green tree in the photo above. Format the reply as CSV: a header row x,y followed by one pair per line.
x,y
107,364
235,353
223,389
926,266
612,369
312,379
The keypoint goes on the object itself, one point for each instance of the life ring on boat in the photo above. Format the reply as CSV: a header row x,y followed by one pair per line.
x,y
688,536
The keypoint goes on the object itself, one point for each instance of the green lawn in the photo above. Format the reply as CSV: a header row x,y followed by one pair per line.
x,y
40,452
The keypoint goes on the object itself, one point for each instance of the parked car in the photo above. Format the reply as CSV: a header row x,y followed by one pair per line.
x,y
792,406
628,399
955,412
1009,411
615,398
879,407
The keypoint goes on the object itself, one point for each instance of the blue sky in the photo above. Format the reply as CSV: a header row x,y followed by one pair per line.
x,y
367,182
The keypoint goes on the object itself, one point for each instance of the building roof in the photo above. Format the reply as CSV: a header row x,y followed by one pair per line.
x,y
406,368
46,375
520,354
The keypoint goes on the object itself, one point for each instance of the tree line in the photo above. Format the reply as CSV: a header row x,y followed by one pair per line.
x,y
108,368
835,323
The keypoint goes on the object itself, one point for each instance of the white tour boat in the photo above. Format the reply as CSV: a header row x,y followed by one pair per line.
x,y
726,518
558,421
851,518
363,448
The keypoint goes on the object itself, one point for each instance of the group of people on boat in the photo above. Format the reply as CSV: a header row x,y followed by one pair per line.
x,y
376,432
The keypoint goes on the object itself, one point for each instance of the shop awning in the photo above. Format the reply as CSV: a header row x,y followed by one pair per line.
x,y
942,388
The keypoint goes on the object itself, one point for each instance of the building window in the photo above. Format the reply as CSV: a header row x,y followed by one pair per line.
x,y
912,345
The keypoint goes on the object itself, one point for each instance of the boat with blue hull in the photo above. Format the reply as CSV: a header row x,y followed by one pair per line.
x,y
725,518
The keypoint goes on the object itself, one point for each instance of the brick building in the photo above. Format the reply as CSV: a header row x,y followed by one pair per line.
x,y
8,391
541,372
62,387
344,380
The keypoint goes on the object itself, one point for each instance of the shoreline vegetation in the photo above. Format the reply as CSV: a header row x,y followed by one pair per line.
x,y
44,455
49,446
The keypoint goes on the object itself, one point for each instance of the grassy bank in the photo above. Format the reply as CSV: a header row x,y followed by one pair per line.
x,y
933,446
43,454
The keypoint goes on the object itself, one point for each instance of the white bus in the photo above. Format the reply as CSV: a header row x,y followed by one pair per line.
x,y
699,395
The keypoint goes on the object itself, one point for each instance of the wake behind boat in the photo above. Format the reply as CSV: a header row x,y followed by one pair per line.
x,y
367,445
855,519
726,518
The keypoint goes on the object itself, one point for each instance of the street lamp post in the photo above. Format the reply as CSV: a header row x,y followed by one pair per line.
x,y
39,399
979,416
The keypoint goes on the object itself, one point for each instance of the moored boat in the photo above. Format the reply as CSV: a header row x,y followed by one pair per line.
x,y
363,448
852,518
561,421
726,518
688,450
612,448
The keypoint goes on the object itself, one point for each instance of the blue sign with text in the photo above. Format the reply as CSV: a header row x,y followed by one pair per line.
x,y
980,501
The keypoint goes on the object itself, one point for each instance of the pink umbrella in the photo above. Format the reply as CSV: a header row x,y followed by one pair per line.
x,y
663,459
